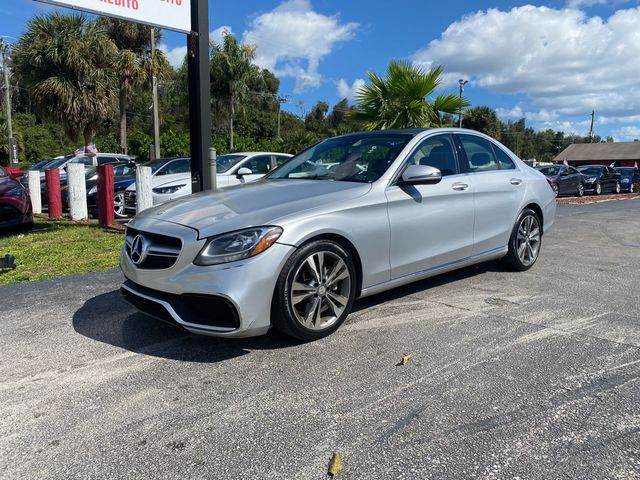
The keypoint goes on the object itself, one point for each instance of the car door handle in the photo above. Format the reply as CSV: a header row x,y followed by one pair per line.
x,y
460,187
515,181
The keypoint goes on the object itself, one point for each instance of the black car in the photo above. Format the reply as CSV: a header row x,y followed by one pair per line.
x,y
628,176
599,179
123,176
564,180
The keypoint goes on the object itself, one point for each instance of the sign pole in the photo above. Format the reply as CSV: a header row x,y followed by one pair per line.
x,y
199,95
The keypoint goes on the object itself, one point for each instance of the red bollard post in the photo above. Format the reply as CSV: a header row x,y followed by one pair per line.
x,y
52,177
105,195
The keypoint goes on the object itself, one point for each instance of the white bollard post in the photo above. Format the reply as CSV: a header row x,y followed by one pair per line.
x,y
144,199
34,190
77,191
213,169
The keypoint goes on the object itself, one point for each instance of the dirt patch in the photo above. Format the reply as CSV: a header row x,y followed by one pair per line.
x,y
597,198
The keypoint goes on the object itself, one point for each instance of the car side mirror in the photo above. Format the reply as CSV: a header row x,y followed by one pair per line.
x,y
421,175
243,171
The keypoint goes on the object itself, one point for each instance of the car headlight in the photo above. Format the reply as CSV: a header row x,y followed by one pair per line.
x,y
16,192
233,246
591,179
165,190
93,190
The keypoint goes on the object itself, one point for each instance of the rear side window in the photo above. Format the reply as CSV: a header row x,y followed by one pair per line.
x,y
280,159
105,160
504,160
436,152
176,166
479,153
259,164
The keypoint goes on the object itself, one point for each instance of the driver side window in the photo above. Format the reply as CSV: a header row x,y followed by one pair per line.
x,y
436,152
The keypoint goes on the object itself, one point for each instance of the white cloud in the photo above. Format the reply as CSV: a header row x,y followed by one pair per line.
x,y
564,61
218,34
292,39
174,55
627,134
349,92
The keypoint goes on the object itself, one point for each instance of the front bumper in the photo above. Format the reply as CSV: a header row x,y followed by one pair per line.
x,y
229,300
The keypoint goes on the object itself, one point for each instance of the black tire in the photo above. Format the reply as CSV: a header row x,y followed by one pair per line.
x,y
512,259
580,190
597,189
283,316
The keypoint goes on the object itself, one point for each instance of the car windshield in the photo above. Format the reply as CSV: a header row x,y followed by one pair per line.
x,y
625,171
550,170
157,164
351,158
40,164
225,162
55,163
590,170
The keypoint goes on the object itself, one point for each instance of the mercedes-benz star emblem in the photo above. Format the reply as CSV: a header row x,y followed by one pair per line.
x,y
138,250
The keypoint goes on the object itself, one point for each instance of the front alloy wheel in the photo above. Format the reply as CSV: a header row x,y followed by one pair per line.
x,y
118,205
598,189
555,189
315,291
617,187
580,189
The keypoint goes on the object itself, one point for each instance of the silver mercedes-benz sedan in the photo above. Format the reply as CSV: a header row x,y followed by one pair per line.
x,y
347,218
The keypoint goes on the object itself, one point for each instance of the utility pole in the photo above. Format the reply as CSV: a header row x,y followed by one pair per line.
x,y
591,134
7,95
154,94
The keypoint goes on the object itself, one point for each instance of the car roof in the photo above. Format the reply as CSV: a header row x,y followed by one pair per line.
x,y
258,153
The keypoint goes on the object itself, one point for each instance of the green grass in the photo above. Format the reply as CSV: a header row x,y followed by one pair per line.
x,y
59,247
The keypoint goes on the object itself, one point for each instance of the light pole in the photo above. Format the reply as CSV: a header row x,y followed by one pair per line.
x,y
462,84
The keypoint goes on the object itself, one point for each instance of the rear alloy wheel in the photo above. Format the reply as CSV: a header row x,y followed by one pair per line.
x,y
525,241
580,189
118,205
631,188
617,187
598,189
556,190
315,291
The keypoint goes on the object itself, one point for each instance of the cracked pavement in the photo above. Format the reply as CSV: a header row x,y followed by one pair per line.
x,y
532,375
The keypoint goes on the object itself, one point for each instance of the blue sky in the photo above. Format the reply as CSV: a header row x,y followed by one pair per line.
x,y
550,62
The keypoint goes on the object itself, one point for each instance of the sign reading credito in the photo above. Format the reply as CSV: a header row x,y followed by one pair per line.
x,y
170,14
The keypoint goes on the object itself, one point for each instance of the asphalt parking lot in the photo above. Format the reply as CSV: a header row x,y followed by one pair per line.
x,y
512,375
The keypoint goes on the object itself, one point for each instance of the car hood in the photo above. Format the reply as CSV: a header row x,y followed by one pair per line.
x,y
253,204
7,183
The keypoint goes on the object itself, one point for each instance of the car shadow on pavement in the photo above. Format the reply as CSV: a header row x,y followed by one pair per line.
x,y
422,285
108,318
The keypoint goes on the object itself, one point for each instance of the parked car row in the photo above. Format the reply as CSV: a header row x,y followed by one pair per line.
x,y
595,179
171,177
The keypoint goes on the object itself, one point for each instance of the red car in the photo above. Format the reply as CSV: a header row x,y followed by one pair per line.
x,y
15,204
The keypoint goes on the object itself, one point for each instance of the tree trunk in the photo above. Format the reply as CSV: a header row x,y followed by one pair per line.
x,y
123,116
231,114
88,133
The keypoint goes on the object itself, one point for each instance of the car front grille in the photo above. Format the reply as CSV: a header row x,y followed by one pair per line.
x,y
8,213
130,199
152,251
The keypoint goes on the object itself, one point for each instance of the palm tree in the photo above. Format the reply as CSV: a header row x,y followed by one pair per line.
x,y
134,65
231,69
401,100
65,63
